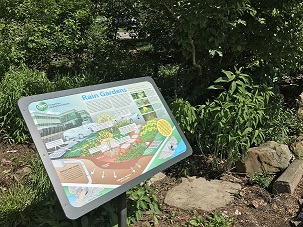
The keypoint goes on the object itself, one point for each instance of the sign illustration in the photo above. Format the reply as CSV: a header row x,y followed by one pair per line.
x,y
99,140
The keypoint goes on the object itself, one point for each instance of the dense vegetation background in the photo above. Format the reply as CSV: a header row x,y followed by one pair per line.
x,y
218,63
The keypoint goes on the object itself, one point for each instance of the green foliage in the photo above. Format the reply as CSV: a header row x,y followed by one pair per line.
x,y
215,34
262,179
243,115
50,35
142,199
69,81
186,116
18,82
215,220
233,121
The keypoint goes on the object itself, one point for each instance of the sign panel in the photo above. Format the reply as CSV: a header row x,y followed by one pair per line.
x,y
97,142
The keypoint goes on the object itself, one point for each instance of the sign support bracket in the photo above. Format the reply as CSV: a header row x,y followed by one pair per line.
x,y
122,210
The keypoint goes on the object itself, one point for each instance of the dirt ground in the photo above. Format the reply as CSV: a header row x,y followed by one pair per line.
x,y
253,206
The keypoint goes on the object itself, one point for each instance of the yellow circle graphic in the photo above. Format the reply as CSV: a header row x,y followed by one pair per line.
x,y
164,127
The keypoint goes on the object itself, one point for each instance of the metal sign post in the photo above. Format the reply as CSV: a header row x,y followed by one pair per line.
x,y
99,141
122,210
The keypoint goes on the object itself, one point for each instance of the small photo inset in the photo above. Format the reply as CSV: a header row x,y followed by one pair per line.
x,y
139,95
142,102
150,116
146,109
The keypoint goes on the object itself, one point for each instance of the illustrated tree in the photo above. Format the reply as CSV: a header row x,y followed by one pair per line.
x,y
105,118
107,136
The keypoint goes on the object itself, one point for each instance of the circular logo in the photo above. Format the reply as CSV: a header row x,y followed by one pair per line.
x,y
42,106
164,127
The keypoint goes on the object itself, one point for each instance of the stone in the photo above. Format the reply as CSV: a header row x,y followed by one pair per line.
x,y
290,178
199,193
271,157
159,176
297,147
237,212
296,223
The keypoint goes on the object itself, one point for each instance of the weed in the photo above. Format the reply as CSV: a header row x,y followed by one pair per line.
x,y
262,179
215,220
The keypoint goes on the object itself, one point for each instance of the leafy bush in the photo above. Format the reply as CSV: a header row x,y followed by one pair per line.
x,y
186,116
233,121
243,115
142,198
215,35
69,81
18,82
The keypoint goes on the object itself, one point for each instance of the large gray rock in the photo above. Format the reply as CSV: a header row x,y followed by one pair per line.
x,y
199,193
271,156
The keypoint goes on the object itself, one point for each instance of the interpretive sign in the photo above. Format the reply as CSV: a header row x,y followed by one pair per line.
x,y
97,142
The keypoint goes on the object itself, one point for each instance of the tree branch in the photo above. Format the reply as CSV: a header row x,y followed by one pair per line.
x,y
195,64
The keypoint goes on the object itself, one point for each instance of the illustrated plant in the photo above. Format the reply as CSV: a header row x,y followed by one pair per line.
x,y
107,136
105,117
149,130
146,109
133,152
122,123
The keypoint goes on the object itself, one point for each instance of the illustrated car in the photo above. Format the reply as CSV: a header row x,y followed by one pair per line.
x,y
77,133
131,117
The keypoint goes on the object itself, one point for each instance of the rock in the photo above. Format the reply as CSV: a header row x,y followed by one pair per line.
x,y
254,204
295,223
198,193
237,212
271,157
297,147
159,176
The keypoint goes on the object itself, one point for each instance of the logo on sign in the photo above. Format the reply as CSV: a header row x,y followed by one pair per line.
x,y
42,106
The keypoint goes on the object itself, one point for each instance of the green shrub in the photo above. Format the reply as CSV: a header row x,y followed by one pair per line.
x,y
243,115
141,199
18,82
233,121
69,81
186,116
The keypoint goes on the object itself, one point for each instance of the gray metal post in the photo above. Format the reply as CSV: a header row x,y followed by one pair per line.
x,y
122,210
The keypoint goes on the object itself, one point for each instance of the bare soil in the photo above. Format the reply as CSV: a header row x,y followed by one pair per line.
x,y
253,206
